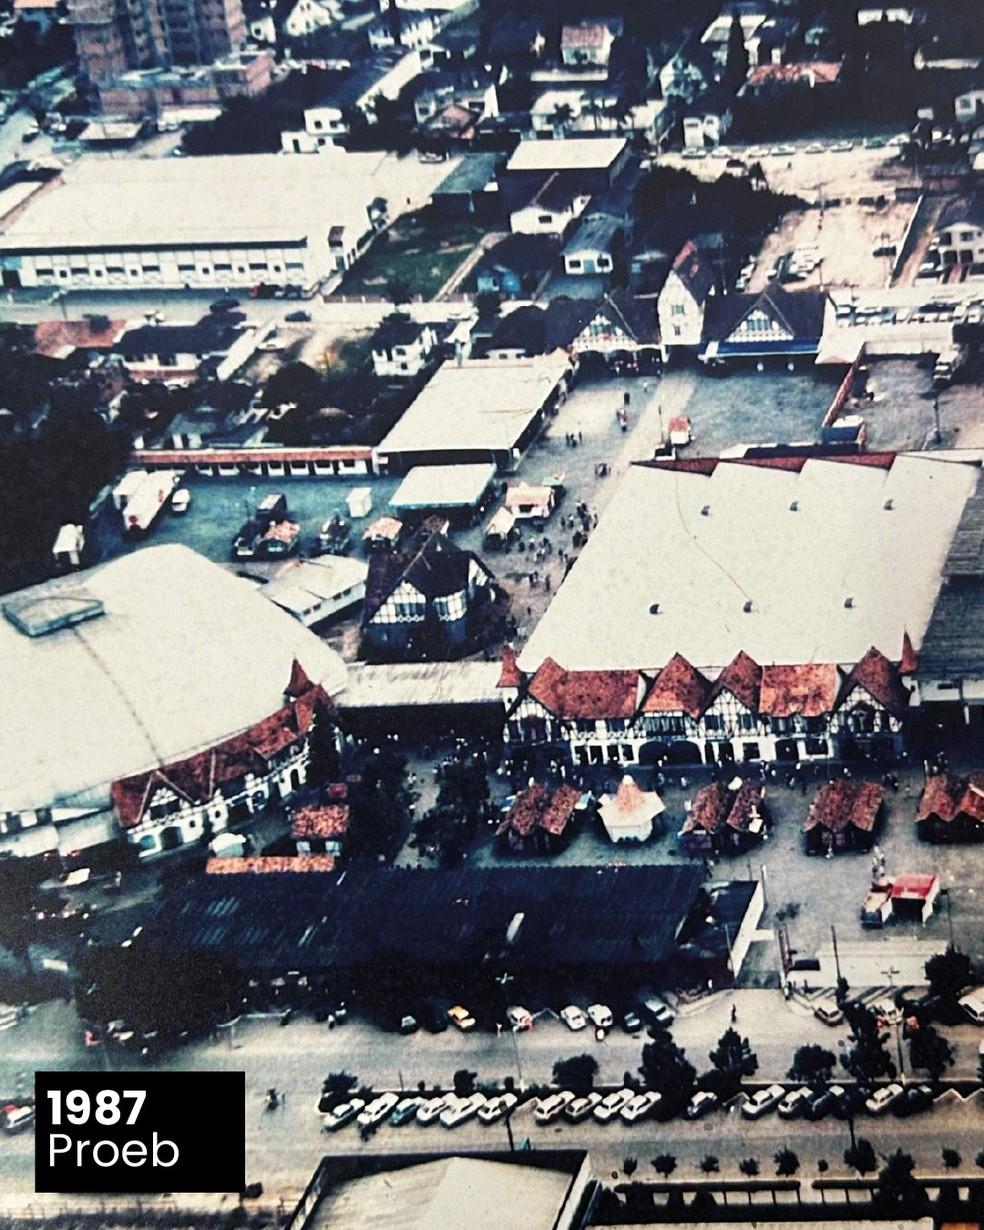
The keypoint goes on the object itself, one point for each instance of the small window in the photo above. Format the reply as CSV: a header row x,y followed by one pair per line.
x,y
545,219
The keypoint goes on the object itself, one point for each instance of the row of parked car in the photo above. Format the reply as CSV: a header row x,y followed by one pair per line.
x,y
838,1100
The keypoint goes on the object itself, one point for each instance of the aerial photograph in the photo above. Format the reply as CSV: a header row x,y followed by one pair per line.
x,y
491,614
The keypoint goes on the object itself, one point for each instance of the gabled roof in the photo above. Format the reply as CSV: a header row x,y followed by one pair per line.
x,y
328,820
947,797
679,688
510,676
435,567
881,680
816,72
584,694
742,677
843,803
535,331
717,804
630,805
810,689
964,210
801,312
694,271
539,807
637,317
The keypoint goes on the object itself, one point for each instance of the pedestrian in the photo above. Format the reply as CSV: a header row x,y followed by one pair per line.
x,y
580,436
734,1014
546,583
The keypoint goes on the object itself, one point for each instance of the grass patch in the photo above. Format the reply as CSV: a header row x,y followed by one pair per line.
x,y
415,250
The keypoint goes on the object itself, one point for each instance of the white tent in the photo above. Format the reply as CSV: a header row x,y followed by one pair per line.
x,y
628,815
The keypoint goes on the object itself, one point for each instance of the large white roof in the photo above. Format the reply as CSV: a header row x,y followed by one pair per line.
x,y
475,405
833,559
443,486
566,154
174,201
184,655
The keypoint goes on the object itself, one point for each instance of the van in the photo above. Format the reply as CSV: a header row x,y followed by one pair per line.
x,y
17,1119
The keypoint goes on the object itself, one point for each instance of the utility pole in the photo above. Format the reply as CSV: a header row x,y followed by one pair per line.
x,y
837,964
936,418
949,915
890,974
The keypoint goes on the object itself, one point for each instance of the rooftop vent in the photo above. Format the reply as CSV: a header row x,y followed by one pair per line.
x,y
706,510
51,612
748,607
654,609
794,506
848,603
889,504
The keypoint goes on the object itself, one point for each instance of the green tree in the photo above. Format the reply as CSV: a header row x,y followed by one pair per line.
x,y
787,1163
949,973
749,1167
19,894
449,827
812,1064
576,1073
464,1082
335,1089
630,1165
736,63
324,762
666,1070
861,1156
897,1187
929,1050
951,1158
664,1164
733,1058
398,291
710,1164
296,383
560,118
866,1057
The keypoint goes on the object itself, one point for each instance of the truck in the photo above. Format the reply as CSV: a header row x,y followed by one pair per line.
x,y
335,536
269,533
149,500
280,538
69,546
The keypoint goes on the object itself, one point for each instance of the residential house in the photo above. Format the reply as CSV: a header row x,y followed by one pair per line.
x,y
180,354
706,119
631,813
589,164
424,602
724,819
750,13
261,21
776,324
553,208
179,803
42,14
472,89
598,108
540,820
470,189
622,332
968,108
399,28
596,247
775,41
960,230
684,297
843,816
304,17
588,42
774,80
871,710
952,808
402,347
322,827
517,265
688,72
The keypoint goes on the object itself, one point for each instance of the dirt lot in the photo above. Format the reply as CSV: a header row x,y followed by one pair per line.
x,y
416,251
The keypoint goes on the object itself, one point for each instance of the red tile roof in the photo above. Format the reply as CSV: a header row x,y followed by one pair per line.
x,y
329,820
914,885
815,72
843,803
585,694
947,797
510,676
264,864
881,680
747,804
910,659
810,690
709,808
588,35
742,677
51,337
539,807
679,688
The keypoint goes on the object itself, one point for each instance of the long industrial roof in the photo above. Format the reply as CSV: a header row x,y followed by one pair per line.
x,y
568,154
182,655
171,201
795,562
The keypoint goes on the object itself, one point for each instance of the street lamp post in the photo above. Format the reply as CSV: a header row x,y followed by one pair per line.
x,y
945,893
890,974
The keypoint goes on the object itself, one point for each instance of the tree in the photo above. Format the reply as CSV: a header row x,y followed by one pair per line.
x,y
732,1058
866,1058
323,758
449,827
398,291
335,1089
812,1064
736,63
560,117
576,1073
948,973
296,383
861,1156
951,1158
897,1187
842,991
19,893
979,1159
928,1049
787,1163
381,802
464,1082
709,1164
664,1164
666,1070
749,1167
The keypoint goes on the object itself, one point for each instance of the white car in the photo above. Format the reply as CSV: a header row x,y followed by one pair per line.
x,y
600,1016
641,1105
973,1005
611,1105
431,1109
181,501
573,1017
378,1109
581,1108
461,1018
464,1108
883,1098
341,1115
763,1101
519,1018
701,1104
552,1106
495,1108
794,1101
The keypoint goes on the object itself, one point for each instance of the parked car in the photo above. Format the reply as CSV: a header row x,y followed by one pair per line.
x,y
851,1100
461,1018
342,1114
495,1108
600,1016
761,1102
404,1111
883,1098
973,1005
428,1111
225,304
17,1118
642,1104
612,1103
181,501
631,1023
656,1010
791,1106
829,1014
298,316
822,1102
519,1018
464,1109
573,1017
581,1108
701,1104
378,1109
914,1100
553,1105
407,1024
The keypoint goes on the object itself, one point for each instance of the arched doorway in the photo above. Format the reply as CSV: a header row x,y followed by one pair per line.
x,y
171,838
684,752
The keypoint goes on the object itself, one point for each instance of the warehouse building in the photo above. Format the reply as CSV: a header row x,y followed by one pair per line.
x,y
200,222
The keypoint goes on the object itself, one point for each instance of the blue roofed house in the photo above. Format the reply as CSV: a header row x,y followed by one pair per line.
x,y
517,265
776,324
